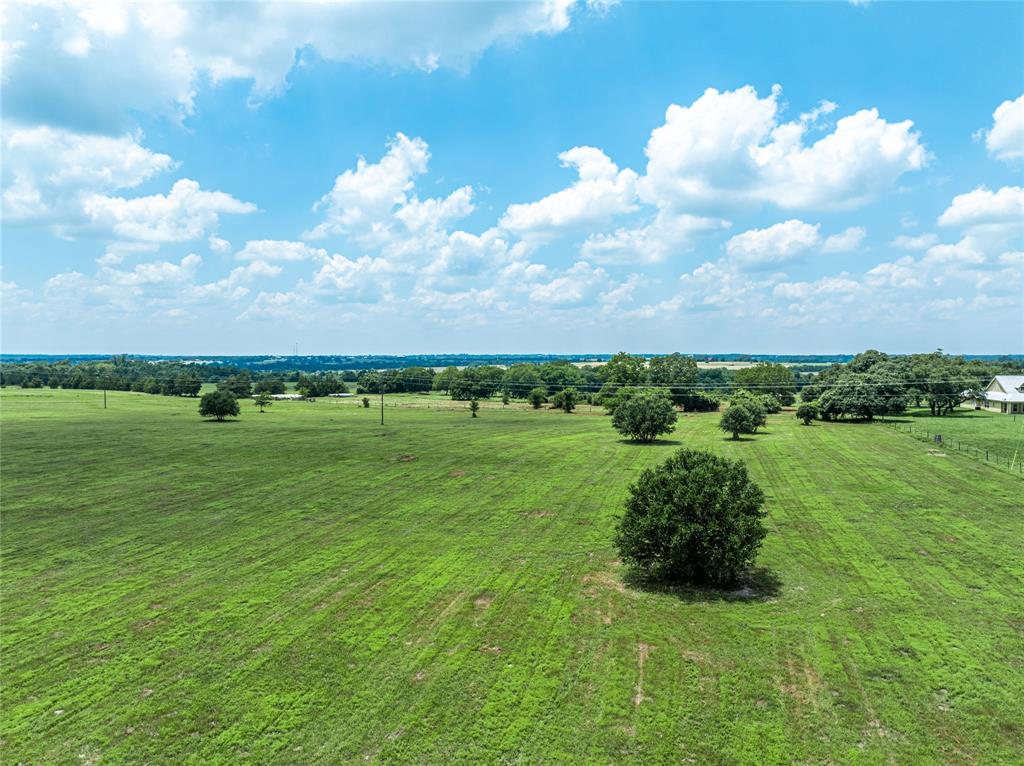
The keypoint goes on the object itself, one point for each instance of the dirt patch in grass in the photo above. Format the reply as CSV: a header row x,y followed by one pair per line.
x,y
457,474
483,600
406,458
600,581
536,514
802,683
642,652
490,649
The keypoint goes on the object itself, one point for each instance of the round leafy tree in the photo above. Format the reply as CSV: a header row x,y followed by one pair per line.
x,y
738,419
807,412
644,418
218,404
695,518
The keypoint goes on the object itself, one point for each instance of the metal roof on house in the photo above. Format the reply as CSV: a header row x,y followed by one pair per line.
x,y
1012,386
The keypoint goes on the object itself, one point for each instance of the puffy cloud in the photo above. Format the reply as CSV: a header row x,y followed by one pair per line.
x,y
844,241
982,206
776,244
579,285
601,192
219,245
363,199
419,216
470,254
1005,140
47,170
669,233
157,286
362,280
92,63
471,303
185,214
278,250
838,285
918,242
729,147
282,305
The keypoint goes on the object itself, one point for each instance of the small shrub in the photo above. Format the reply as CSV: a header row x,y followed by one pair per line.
x,y
695,518
644,418
366,402
565,399
219,405
474,405
807,412
537,397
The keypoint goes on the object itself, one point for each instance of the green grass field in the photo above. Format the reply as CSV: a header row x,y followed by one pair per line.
x,y
1003,434
307,587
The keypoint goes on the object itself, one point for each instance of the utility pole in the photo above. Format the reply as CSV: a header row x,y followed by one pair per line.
x,y
104,398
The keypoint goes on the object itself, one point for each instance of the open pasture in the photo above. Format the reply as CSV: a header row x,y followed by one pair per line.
x,y
305,586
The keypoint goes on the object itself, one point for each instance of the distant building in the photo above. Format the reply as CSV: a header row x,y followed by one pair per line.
x,y
1005,394
284,397
340,396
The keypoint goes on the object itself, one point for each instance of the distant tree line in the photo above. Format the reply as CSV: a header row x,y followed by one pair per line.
x,y
876,384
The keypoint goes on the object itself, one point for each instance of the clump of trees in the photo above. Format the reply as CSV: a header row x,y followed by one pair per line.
x,y
696,518
646,416
768,378
875,384
320,384
239,386
269,387
119,373
219,405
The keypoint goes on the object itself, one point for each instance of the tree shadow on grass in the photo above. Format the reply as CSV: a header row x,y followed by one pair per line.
x,y
214,420
757,584
655,443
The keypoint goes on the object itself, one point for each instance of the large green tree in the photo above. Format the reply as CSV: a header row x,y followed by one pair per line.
x,y
768,378
676,373
219,405
645,417
697,518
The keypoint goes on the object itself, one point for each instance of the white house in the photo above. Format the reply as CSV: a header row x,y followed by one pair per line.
x,y
1004,393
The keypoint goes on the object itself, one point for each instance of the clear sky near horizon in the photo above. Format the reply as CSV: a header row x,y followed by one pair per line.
x,y
561,177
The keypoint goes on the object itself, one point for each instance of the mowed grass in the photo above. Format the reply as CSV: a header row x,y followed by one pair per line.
x,y
305,586
1003,434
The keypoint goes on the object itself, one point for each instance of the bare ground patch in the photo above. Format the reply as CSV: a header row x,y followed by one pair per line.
x,y
803,683
642,652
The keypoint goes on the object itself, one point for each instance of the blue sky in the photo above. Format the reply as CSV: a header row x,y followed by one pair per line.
x,y
550,177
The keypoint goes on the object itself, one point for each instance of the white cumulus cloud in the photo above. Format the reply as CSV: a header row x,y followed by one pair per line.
x,y
186,213
1005,140
601,192
730,147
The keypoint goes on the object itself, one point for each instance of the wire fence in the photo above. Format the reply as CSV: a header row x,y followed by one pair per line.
x,y
1012,463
